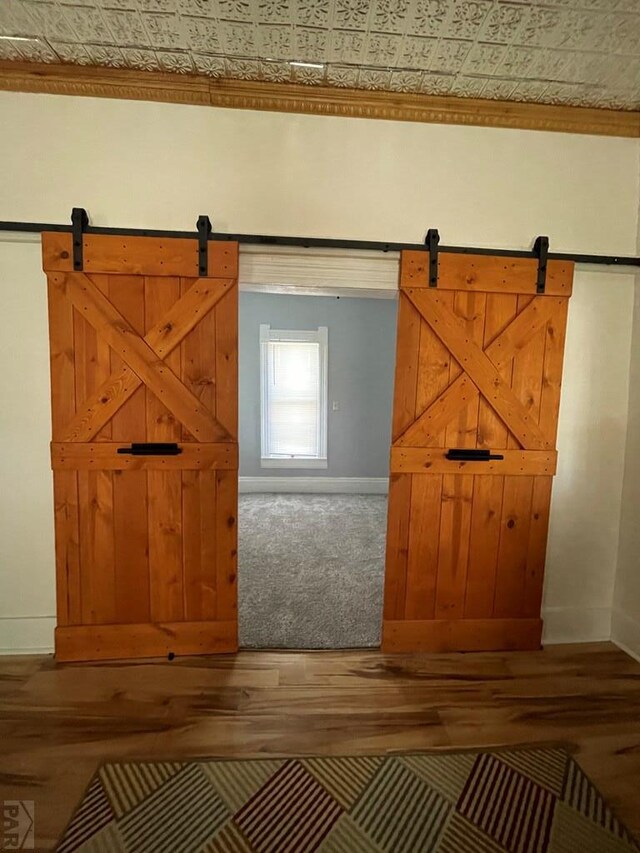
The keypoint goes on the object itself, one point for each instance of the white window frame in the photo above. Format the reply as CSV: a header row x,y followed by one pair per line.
x,y
319,336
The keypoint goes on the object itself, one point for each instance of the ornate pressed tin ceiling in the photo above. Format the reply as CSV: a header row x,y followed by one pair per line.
x,y
578,52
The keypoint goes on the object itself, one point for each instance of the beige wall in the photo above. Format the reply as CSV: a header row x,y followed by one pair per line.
x,y
140,164
625,628
585,509
148,165
27,594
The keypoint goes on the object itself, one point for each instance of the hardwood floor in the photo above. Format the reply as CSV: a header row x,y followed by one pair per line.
x,y
58,722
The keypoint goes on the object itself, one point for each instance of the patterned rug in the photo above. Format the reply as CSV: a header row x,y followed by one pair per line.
x,y
521,800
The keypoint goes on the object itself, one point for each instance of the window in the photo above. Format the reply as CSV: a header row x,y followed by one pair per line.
x,y
293,366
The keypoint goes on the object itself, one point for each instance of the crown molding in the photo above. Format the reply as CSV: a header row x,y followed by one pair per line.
x,y
61,79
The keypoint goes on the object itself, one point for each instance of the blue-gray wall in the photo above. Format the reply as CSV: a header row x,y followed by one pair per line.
x,y
362,335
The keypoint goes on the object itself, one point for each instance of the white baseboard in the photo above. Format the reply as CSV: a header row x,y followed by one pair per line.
x,y
26,635
316,485
576,625
625,633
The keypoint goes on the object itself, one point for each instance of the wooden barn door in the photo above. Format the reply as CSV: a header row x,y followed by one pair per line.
x,y
479,368
143,352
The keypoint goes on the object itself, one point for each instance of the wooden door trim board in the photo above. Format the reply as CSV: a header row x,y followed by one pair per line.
x,y
104,456
473,635
423,460
139,255
476,273
119,642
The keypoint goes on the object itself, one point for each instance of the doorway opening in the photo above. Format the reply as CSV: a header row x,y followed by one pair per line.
x,y
316,379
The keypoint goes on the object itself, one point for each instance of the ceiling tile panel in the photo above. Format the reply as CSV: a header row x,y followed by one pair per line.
x,y
212,65
274,12
107,55
308,76
405,81
73,53
9,50
373,78
532,90
239,39
343,76
430,17
484,58
125,27
16,19
311,14
276,42
545,28
345,47
436,84
197,8
34,51
276,72
390,16
352,14
127,5
468,87
562,93
311,45
382,49
449,56
504,23
583,52
235,10
417,52
202,35
499,90
244,69
156,5
164,30
88,24
169,60
468,17
135,57
45,19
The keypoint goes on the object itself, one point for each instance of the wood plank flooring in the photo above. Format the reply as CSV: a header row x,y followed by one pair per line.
x,y
58,722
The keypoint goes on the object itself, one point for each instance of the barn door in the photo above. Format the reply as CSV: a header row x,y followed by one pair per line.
x,y
143,352
479,367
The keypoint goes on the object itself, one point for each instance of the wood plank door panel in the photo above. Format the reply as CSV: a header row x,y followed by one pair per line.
x,y
143,350
479,366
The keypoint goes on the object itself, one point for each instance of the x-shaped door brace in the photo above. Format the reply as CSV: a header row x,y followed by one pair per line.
x,y
144,357
480,370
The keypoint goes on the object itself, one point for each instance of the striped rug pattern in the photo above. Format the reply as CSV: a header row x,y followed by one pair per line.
x,y
529,800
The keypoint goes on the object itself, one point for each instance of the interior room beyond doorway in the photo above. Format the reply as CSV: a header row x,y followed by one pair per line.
x,y
316,385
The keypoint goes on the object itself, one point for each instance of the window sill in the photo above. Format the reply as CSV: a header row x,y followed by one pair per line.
x,y
294,463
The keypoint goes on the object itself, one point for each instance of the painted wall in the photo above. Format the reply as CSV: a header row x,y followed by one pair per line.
x,y
27,591
626,605
160,165
625,627
361,356
157,165
582,552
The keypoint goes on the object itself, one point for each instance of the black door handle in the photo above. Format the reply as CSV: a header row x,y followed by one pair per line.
x,y
470,454
151,448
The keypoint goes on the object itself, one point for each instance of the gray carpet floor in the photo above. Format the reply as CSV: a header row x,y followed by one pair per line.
x,y
310,570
